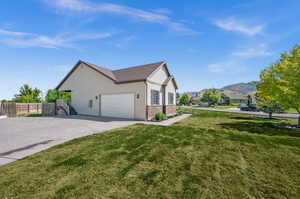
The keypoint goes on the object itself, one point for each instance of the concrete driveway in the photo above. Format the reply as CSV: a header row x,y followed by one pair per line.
x,y
23,136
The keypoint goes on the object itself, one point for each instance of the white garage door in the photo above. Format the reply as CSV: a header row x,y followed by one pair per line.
x,y
118,105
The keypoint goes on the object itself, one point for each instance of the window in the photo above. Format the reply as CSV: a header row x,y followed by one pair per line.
x,y
154,97
170,98
90,103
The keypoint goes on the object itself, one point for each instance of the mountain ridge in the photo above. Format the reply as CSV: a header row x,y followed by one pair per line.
x,y
235,90
243,88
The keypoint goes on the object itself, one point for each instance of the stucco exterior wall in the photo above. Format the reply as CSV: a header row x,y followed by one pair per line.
x,y
159,76
87,84
170,88
155,82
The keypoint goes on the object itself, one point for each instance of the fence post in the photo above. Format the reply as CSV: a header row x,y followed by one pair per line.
x,y
13,111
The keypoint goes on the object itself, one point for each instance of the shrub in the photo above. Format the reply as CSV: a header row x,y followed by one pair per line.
x,y
179,110
185,99
160,116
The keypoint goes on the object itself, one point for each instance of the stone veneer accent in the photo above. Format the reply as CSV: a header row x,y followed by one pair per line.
x,y
152,110
170,110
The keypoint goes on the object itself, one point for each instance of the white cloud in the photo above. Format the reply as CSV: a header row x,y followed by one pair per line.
x,y
12,33
153,17
234,25
226,67
163,11
260,50
23,39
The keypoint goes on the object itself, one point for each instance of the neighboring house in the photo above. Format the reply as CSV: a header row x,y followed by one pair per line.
x,y
136,92
234,97
228,97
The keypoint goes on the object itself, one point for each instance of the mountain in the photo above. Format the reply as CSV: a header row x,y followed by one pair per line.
x,y
242,88
235,92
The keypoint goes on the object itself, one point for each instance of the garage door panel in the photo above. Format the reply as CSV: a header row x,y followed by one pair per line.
x,y
118,105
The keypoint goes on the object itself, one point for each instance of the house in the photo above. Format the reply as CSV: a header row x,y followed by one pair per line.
x,y
234,97
137,92
227,97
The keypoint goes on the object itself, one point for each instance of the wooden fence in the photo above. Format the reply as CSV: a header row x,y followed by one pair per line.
x,y
27,108
48,109
12,109
8,109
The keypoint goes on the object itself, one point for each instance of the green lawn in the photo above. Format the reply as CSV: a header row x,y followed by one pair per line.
x,y
208,155
226,106
221,106
291,110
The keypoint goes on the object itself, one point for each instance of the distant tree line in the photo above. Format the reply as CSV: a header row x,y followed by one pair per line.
x,y
28,94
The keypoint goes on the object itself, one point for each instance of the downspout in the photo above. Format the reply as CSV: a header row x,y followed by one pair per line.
x,y
146,100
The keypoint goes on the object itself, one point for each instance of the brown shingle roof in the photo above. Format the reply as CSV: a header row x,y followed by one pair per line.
x,y
131,74
136,73
102,70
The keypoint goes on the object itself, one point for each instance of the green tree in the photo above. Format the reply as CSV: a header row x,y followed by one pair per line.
x,y
185,99
52,95
280,82
249,100
211,96
225,99
268,105
28,95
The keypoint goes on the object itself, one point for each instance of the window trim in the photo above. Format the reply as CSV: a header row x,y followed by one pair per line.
x,y
156,100
169,100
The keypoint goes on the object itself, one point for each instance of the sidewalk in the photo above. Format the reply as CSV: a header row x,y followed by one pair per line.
x,y
170,121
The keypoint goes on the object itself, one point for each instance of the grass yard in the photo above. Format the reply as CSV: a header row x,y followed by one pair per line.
x,y
226,106
208,155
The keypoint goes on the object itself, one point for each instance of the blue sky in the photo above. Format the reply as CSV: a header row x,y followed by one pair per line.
x,y
205,43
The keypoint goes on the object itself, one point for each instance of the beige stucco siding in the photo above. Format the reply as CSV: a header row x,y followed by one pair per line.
x,y
87,84
159,76
155,82
170,88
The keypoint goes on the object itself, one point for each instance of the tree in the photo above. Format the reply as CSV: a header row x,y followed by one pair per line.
x,y
225,100
280,82
269,106
249,100
52,95
185,99
211,96
28,95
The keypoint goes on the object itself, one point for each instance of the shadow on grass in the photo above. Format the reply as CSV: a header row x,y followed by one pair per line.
x,y
256,118
266,128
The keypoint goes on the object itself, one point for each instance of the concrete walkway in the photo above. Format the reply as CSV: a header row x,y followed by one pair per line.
x,y
169,121
236,110
23,136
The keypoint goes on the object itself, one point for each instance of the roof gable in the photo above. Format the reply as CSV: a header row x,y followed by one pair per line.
x,y
171,78
136,73
131,74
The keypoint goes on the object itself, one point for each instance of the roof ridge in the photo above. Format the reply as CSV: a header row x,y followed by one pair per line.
x,y
101,69
95,65
138,66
